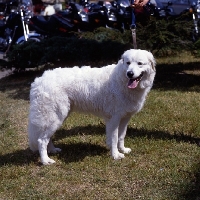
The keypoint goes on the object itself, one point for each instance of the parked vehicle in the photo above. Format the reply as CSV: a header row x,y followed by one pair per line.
x,y
97,14
13,27
73,18
123,14
122,11
164,11
194,10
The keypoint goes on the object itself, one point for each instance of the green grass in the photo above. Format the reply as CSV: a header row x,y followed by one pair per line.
x,y
164,137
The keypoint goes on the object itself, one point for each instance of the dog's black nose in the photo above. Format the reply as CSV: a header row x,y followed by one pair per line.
x,y
130,74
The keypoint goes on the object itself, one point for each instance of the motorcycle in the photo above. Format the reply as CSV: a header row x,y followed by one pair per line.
x,y
14,26
104,14
124,13
74,18
114,16
120,14
195,10
97,14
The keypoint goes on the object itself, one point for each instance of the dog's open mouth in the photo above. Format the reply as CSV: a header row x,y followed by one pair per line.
x,y
134,82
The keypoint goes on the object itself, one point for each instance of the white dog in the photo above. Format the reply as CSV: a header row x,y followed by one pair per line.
x,y
113,92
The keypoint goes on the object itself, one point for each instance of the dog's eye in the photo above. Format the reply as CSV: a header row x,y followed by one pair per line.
x,y
128,63
140,63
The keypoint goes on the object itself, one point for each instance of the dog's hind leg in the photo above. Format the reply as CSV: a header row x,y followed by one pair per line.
x,y
51,148
122,133
42,146
45,143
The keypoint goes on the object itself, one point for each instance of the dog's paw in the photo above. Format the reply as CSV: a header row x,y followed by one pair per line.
x,y
55,150
125,150
118,156
48,161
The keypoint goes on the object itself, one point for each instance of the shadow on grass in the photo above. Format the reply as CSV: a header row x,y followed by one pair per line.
x,y
174,77
77,151
19,157
193,192
131,132
162,135
18,84
74,152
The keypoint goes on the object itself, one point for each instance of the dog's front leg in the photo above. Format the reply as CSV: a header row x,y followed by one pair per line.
x,y
112,126
122,133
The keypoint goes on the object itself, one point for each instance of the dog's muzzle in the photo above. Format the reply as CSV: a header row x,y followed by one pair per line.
x,y
130,74
133,82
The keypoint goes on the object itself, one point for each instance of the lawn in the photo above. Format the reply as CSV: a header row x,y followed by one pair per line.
x,y
164,137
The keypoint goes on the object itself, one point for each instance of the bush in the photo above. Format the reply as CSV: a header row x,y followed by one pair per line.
x,y
80,48
161,37
165,37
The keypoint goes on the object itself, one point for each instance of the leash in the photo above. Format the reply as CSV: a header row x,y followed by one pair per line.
x,y
133,31
133,26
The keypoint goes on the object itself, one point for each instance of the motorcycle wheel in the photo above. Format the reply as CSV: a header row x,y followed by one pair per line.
x,y
30,39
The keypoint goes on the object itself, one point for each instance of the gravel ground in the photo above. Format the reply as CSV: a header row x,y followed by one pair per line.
x,y
4,72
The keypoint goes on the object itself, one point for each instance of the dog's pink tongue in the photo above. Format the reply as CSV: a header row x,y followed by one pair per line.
x,y
132,83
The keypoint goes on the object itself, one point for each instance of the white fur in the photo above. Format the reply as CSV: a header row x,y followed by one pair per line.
x,y
100,91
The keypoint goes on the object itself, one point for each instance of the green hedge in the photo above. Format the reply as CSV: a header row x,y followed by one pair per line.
x,y
161,37
80,49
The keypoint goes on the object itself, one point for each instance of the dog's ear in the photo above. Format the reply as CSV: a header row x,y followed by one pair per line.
x,y
122,58
126,54
151,59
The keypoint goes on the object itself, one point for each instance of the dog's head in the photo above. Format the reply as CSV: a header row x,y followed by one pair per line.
x,y
139,66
